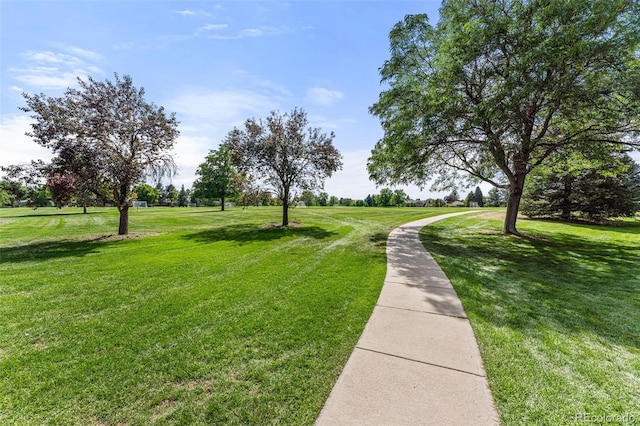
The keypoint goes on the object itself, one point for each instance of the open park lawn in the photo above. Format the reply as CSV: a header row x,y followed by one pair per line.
x,y
205,317
556,315
208,317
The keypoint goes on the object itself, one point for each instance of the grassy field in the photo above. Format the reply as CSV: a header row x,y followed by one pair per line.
x,y
208,317
202,317
556,315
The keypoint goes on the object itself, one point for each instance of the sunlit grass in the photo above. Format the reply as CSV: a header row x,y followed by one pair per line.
x,y
203,317
556,314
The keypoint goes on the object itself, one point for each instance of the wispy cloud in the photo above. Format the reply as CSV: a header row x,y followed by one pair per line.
x,y
212,27
224,108
48,69
322,96
263,31
189,12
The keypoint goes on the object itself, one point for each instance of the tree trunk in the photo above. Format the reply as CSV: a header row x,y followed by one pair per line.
x,y
285,208
285,212
222,204
123,229
513,205
84,208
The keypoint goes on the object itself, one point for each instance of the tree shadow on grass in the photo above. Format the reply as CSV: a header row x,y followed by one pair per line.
x,y
56,213
247,233
563,282
47,250
627,227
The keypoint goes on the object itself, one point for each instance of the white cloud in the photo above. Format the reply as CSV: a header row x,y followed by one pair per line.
x,y
185,12
353,180
189,12
206,117
253,32
221,107
15,146
322,96
213,27
46,69
325,123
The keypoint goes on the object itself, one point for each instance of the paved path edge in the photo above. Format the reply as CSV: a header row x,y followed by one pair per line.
x,y
417,360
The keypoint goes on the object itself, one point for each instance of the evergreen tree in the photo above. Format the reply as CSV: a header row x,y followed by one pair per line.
x,y
183,197
608,186
479,197
471,198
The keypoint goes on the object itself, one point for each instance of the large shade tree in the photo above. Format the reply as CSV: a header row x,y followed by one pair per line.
x,y
497,86
285,153
106,136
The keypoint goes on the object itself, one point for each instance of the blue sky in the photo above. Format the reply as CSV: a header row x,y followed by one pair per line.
x,y
213,63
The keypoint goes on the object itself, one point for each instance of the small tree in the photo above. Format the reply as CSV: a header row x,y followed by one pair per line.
x,y
452,197
369,201
471,198
183,197
496,197
216,176
323,199
110,129
383,199
479,197
15,191
308,198
398,198
148,193
286,154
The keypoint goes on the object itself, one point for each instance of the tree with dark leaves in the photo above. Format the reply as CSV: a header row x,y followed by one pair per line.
x,y
285,153
107,136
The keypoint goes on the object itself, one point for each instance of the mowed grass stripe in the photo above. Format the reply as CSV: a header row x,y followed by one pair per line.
x,y
207,318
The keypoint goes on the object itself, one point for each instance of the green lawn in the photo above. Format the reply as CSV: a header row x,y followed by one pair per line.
x,y
206,317
556,315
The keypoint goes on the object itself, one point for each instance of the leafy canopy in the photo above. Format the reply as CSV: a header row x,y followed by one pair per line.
x,y
285,154
216,176
497,86
107,136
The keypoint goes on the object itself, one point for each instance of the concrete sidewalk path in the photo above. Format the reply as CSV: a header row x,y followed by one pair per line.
x,y
417,361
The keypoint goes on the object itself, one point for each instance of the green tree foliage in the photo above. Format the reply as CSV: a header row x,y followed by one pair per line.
x,y
383,199
183,197
596,189
308,198
452,197
471,198
498,86
285,154
323,199
216,176
398,198
497,197
170,194
369,201
148,193
479,197
5,198
15,191
107,136
40,196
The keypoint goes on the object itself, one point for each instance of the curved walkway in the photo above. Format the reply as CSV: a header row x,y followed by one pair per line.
x,y
417,361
